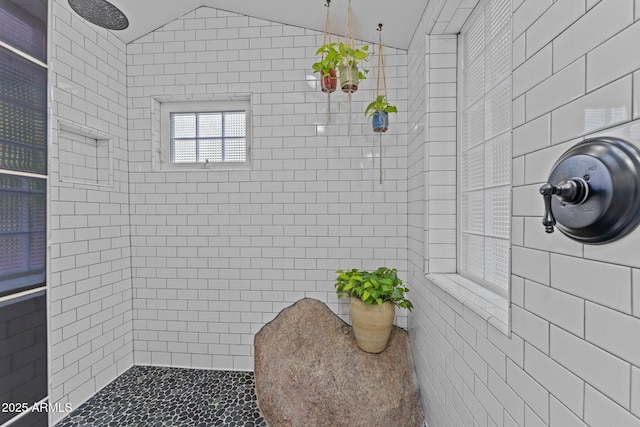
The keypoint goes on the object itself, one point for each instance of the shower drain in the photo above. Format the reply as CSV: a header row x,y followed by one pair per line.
x,y
101,13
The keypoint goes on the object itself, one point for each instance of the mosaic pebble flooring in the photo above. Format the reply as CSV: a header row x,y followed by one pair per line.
x,y
147,396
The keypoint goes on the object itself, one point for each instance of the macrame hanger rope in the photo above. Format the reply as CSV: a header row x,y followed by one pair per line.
x,y
327,40
381,76
380,136
327,24
381,73
349,41
349,30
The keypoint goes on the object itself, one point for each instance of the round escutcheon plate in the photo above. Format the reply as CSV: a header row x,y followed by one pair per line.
x,y
611,167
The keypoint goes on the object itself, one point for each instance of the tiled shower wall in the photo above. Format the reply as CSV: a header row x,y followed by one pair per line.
x,y
417,201
91,337
572,358
217,254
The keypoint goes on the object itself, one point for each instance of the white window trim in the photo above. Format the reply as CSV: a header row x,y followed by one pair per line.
x,y
494,308
162,157
479,300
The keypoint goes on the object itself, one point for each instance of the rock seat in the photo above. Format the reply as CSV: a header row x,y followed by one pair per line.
x,y
310,373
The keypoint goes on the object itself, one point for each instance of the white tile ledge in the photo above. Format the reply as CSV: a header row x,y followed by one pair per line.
x,y
491,307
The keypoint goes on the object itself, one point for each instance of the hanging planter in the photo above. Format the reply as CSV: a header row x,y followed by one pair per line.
x,y
351,57
350,75
327,67
380,121
328,64
380,108
379,111
349,78
329,82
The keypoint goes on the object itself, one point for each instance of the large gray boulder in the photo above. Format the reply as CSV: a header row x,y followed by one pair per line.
x,y
310,373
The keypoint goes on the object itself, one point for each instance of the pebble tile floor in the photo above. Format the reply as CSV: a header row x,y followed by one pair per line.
x,y
149,396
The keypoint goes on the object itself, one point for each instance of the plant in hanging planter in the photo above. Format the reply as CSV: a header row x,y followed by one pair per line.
x,y
350,59
374,297
379,111
327,66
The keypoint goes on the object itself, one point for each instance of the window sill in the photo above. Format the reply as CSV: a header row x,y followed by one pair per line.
x,y
490,306
199,167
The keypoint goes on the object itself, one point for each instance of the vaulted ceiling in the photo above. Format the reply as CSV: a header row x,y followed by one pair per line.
x,y
399,18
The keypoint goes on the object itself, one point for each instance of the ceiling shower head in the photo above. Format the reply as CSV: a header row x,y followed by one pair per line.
x,y
101,13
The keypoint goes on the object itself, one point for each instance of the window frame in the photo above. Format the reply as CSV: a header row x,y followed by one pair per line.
x,y
17,299
242,104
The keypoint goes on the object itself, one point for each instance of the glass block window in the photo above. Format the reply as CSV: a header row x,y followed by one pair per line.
x,y
203,134
212,137
22,232
23,25
485,159
23,114
23,205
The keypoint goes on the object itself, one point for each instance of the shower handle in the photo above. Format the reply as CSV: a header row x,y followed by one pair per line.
x,y
572,191
592,194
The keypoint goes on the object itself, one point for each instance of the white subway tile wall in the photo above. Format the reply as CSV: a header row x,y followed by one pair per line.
x,y
217,254
636,95
571,359
182,268
441,152
418,202
91,335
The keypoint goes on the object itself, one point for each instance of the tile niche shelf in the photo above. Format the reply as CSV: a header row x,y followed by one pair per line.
x,y
85,155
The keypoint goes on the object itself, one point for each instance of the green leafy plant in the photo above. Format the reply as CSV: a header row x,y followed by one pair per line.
x,y
380,104
374,287
331,59
350,56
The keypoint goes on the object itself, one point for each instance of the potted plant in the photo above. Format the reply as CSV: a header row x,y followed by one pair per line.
x,y
374,297
327,66
350,58
379,111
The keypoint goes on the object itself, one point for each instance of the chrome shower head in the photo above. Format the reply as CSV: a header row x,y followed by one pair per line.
x,y
101,13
